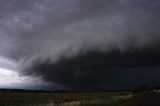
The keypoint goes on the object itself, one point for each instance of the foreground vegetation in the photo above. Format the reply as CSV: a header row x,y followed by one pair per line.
x,y
65,99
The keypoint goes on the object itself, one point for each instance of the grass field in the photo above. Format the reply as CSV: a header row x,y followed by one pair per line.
x,y
64,99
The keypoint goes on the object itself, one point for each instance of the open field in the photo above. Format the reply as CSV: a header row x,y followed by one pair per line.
x,y
65,99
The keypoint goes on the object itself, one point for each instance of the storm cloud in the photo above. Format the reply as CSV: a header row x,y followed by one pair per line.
x,y
83,44
102,70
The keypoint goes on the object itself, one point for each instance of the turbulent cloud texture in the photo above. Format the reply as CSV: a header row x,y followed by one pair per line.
x,y
83,44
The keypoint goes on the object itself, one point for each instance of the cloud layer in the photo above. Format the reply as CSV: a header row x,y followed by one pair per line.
x,y
83,44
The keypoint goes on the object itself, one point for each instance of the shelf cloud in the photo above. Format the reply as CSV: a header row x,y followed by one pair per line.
x,y
83,44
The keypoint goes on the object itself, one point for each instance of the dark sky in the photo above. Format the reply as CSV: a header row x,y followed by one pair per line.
x,y
79,44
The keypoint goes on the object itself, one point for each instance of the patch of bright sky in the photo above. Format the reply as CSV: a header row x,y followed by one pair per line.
x,y
10,78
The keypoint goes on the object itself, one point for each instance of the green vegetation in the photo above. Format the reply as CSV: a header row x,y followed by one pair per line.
x,y
65,99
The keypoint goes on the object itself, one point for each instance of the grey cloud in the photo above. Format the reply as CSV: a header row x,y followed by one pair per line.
x,y
35,32
101,70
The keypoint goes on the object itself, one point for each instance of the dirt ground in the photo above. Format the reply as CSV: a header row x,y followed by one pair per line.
x,y
148,99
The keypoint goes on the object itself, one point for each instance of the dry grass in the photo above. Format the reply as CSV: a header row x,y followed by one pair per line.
x,y
64,99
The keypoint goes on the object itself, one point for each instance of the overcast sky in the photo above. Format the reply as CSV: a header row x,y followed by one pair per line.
x,y
79,44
